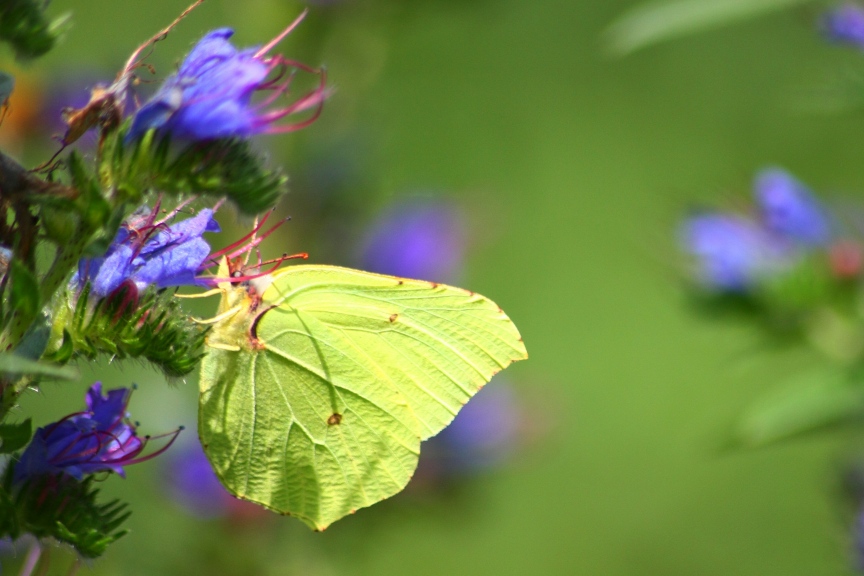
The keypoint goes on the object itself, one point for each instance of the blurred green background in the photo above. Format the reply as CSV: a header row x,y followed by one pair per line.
x,y
574,169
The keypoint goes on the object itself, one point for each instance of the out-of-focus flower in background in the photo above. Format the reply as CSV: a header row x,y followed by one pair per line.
x,y
736,253
482,437
193,485
731,252
421,238
790,210
845,24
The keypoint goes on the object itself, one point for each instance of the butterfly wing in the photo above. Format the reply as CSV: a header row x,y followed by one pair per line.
x,y
345,372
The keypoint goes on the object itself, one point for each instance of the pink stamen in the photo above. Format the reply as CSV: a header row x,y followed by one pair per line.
x,y
216,255
282,35
278,262
173,435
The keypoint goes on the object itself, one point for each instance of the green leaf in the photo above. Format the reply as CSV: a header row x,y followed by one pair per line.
x,y
14,364
808,404
661,20
315,395
24,290
15,436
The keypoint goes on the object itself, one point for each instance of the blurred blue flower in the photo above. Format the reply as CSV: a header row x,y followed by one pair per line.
x,y
193,484
845,24
789,209
99,439
422,239
484,432
210,96
732,252
147,252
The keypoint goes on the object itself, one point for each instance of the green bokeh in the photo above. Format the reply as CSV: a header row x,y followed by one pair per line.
x,y
575,169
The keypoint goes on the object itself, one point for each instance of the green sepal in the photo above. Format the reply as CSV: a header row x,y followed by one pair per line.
x,y
65,351
150,326
222,167
15,436
60,507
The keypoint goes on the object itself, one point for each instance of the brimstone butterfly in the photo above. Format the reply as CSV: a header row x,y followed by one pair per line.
x,y
320,383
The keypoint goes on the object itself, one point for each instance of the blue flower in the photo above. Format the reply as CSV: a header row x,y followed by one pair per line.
x,y
789,209
845,24
484,432
210,96
194,485
147,252
97,440
417,239
732,252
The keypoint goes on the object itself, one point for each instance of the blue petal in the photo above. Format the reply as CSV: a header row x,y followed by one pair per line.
x,y
175,267
788,208
112,272
732,253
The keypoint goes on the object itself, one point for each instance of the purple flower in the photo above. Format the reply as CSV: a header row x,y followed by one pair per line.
x,y
732,253
484,432
845,24
193,484
789,209
147,252
210,96
417,239
99,439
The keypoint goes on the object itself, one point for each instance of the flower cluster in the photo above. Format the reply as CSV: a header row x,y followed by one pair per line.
x,y
210,96
96,440
734,253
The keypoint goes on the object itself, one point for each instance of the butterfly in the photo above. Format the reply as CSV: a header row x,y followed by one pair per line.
x,y
320,382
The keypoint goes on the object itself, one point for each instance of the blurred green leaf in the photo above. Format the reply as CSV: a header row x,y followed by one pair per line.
x,y
24,290
661,20
15,436
15,364
808,403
